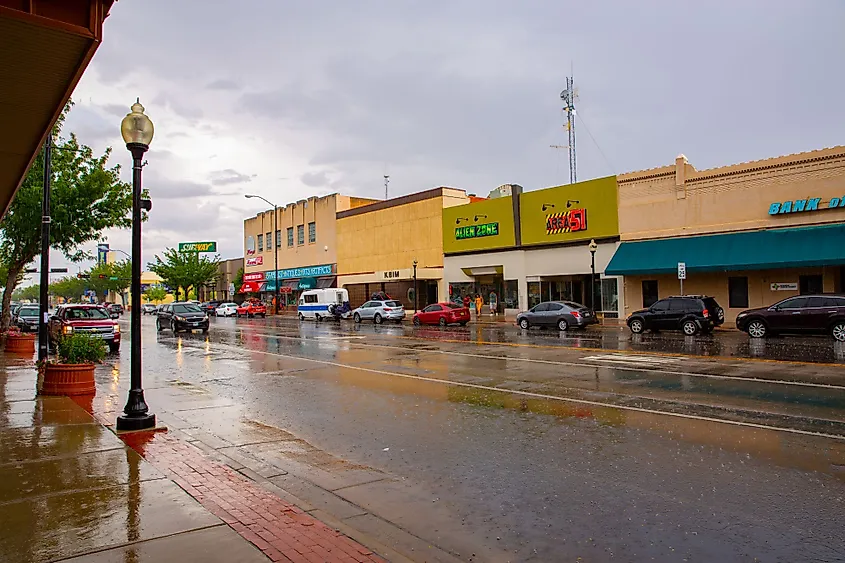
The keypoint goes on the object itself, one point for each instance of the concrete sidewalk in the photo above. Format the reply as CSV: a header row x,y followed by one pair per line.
x,y
70,489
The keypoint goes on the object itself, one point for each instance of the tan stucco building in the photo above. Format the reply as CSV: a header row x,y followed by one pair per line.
x,y
378,243
304,241
749,234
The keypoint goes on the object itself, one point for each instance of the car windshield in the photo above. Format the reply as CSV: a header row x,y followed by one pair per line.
x,y
574,305
87,313
456,305
28,312
187,308
392,304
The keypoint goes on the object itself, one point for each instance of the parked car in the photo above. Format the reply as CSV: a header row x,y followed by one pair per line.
x,y
210,307
251,308
89,319
181,316
226,310
15,307
27,318
690,314
327,303
379,311
442,314
802,314
116,308
560,314
148,309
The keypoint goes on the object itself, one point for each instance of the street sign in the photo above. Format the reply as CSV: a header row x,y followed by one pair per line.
x,y
682,270
58,270
208,246
785,286
113,278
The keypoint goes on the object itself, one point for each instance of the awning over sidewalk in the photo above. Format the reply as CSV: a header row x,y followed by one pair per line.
x,y
326,282
754,250
251,287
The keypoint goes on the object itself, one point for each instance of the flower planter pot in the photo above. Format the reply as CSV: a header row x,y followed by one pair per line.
x,y
68,379
20,343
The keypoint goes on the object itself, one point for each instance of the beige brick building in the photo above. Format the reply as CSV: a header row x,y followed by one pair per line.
x,y
750,234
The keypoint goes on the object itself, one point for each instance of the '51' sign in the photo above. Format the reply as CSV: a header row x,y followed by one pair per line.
x,y
570,221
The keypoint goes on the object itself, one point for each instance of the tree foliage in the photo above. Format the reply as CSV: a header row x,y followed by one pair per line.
x,y
28,293
87,198
71,288
185,270
155,294
122,271
239,279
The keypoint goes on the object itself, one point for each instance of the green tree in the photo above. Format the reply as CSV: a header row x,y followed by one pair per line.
x,y
87,198
28,293
239,279
155,293
185,270
71,288
112,276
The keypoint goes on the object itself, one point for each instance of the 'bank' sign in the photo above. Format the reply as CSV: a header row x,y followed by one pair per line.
x,y
802,205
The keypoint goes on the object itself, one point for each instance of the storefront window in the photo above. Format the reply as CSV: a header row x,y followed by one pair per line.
x,y
533,294
610,297
511,296
461,289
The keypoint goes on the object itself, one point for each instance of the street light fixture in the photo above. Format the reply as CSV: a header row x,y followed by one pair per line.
x,y
275,246
593,248
137,131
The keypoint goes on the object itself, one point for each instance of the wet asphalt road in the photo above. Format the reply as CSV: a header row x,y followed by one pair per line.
x,y
537,446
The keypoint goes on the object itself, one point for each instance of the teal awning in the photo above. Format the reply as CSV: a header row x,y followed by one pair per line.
x,y
753,250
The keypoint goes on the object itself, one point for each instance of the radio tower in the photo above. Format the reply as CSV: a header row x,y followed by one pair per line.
x,y
386,182
569,95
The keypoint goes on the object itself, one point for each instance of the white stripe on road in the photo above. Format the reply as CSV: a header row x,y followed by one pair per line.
x,y
588,366
543,395
631,359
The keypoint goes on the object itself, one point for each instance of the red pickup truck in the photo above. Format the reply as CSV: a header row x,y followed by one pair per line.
x,y
92,319
252,308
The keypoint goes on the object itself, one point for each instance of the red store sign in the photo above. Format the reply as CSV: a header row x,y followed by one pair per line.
x,y
257,261
257,276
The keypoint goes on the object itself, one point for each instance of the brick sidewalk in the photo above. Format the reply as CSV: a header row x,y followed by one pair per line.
x,y
279,529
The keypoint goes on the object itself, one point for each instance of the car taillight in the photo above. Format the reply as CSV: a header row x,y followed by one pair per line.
x,y
576,314
388,309
706,313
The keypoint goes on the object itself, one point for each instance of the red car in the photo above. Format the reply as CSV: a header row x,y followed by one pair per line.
x,y
91,319
442,314
252,308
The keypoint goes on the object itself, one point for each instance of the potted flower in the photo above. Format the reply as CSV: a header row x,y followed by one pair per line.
x,y
18,342
73,374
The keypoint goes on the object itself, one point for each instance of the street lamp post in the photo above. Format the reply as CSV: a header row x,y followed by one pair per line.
x,y
43,340
593,248
416,301
275,248
137,131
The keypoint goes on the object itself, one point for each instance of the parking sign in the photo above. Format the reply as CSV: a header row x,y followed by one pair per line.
x,y
682,270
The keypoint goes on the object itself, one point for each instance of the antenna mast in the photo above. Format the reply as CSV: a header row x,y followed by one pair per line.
x,y
386,181
569,96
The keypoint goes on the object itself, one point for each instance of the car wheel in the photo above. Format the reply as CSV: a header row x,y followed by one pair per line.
x,y
689,327
417,321
463,323
158,325
173,327
263,315
838,331
442,321
756,329
317,317
377,319
562,324
524,324
357,318
114,347
205,330
636,326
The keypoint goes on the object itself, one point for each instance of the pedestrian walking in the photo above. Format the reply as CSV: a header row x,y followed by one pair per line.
x,y
479,304
466,301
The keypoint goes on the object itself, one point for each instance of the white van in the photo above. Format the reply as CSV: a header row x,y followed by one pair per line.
x,y
319,304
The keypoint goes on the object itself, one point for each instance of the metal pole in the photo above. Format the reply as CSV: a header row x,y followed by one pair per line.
x,y
593,281
416,300
136,414
277,236
682,286
45,251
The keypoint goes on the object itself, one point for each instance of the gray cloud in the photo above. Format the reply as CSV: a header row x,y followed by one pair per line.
x,y
223,84
315,179
229,176
185,107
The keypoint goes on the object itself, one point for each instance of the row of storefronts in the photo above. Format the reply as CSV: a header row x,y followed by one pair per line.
x,y
748,234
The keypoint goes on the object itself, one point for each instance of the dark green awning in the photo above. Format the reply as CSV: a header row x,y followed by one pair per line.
x,y
753,250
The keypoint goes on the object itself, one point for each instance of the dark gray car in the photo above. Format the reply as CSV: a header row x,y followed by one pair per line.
x,y
562,314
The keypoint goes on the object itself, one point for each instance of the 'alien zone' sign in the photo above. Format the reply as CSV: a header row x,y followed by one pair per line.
x,y
570,221
476,231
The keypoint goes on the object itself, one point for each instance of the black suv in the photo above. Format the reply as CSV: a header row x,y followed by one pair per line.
x,y
688,313
181,316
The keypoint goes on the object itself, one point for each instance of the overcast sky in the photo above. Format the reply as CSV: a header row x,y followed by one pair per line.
x,y
291,99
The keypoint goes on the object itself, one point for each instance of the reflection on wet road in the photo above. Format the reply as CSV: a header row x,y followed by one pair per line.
x,y
540,447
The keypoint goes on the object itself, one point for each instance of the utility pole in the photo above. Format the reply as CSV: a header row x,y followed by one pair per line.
x,y
569,95
43,341
386,181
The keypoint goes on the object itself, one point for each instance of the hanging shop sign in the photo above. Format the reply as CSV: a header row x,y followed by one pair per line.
x,y
784,287
307,272
805,205
477,231
255,276
255,261
569,221
208,246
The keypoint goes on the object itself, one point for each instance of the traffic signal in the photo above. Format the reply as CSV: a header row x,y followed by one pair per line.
x,y
102,276
83,276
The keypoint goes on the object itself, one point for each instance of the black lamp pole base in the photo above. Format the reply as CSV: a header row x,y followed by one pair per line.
x,y
133,423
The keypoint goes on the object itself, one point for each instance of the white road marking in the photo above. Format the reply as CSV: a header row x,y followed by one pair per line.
x,y
546,396
588,366
631,359
336,337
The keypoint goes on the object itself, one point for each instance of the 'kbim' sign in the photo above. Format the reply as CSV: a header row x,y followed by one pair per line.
x,y
802,205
